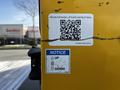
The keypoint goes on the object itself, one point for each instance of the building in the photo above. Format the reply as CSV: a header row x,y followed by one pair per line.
x,y
11,34
18,34
33,33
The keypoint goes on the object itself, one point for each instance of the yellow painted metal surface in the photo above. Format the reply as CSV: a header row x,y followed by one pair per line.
x,y
95,67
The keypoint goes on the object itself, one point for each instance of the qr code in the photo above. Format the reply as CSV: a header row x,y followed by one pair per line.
x,y
70,30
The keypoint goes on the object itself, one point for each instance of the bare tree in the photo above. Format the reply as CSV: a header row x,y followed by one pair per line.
x,y
30,8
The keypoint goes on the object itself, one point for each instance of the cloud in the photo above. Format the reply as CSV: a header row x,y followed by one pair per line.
x,y
37,20
21,18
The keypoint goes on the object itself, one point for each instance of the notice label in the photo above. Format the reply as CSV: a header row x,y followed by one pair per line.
x,y
58,61
71,29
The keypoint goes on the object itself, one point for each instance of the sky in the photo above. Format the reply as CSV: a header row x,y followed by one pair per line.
x,y
9,14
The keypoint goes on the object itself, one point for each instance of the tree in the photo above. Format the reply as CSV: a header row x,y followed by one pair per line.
x,y
30,8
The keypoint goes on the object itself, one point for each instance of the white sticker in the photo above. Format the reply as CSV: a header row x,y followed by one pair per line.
x,y
71,29
58,61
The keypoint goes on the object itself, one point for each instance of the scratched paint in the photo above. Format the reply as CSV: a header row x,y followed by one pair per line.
x,y
95,37
60,2
92,68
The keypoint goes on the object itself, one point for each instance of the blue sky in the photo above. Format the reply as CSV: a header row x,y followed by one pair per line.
x,y
9,14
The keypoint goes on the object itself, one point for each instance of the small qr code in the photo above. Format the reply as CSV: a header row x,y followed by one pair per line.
x,y
70,30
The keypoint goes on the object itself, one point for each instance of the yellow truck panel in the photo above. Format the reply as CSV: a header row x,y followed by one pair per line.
x,y
95,67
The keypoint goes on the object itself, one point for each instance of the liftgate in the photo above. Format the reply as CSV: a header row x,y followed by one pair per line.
x,y
80,44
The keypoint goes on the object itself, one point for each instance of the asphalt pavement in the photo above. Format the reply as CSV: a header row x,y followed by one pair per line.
x,y
14,70
10,55
30,85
